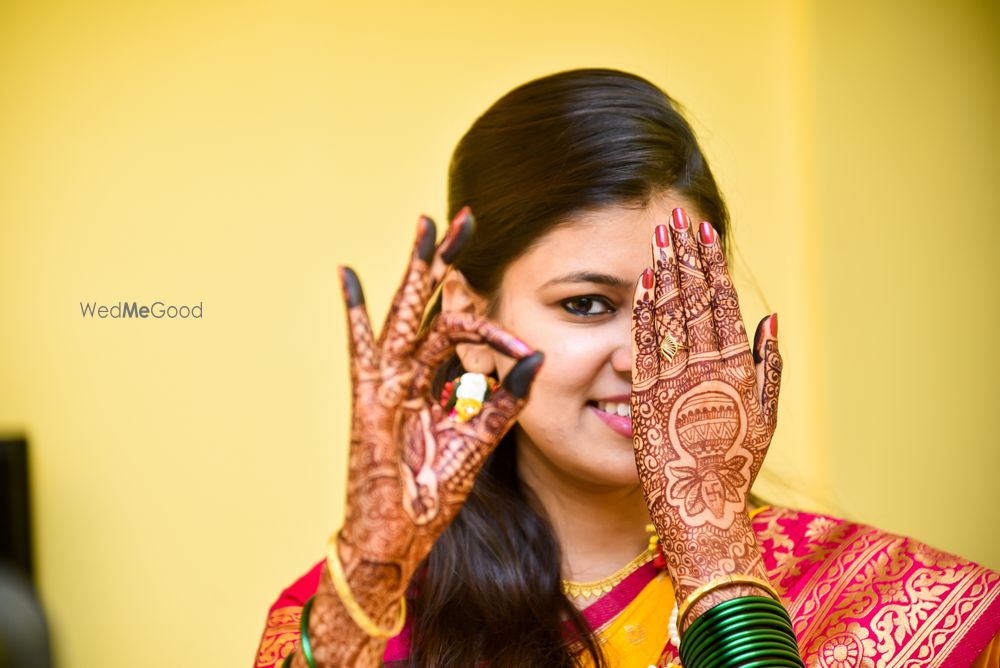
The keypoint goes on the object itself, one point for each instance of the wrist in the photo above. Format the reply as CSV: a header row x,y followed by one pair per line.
x,y
375,581
696,555
720,590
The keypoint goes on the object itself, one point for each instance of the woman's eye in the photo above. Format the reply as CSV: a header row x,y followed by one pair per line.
x,y
587,306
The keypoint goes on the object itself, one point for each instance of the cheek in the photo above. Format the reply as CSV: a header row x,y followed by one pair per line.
x,y
577,358
573,355
571,364
565,383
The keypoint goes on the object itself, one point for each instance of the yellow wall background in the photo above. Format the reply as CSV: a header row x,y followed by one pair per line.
x,y
234,153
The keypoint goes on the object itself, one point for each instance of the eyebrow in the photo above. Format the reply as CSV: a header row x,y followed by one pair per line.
x,y
590,277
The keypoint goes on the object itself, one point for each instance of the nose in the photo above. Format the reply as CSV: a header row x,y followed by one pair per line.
x,y
621,359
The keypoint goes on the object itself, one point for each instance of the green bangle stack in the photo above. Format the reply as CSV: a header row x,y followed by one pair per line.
x,y
749,632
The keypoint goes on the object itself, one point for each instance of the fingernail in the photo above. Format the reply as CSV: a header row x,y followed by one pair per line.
x,y
662,236
518,381
707,234
458,234
353,294
647,278
519,348
774,325
427,232
453,227
756,344
680,219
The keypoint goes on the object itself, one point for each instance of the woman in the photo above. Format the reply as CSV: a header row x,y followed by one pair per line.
x,y
515,534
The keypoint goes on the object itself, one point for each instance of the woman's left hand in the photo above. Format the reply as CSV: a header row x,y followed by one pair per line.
x,y
704,407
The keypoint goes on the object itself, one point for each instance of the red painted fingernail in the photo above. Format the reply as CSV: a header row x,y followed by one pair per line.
x,y
680,219
707,234
647,278
662,236
774,324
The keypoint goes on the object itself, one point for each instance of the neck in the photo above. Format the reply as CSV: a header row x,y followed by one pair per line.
x,y
600,528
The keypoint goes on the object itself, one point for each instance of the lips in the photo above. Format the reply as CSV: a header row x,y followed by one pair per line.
x,y
615,413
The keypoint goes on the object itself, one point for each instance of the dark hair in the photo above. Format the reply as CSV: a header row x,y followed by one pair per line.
x,y
559,145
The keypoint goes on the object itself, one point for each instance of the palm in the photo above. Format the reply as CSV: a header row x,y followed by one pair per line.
x,y
706,459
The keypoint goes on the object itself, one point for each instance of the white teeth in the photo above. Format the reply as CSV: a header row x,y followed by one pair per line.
x,y
615,408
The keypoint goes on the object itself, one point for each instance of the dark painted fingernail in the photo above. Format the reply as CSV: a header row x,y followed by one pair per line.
x,y
428,238
707,234
757,352
458,234
647,278
353,294
662,236
518,381
774,325
680,219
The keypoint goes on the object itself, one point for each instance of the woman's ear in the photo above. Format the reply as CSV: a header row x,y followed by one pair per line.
x,y
458,297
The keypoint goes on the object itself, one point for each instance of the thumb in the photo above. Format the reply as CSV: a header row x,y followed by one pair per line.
x,y
768,366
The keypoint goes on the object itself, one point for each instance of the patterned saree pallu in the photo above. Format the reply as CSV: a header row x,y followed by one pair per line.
x,y
862,597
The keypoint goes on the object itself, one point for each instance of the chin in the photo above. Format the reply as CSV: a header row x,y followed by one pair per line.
x,y
616,467
622,479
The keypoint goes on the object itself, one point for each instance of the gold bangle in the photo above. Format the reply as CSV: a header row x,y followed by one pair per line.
x,y
354,608
718,583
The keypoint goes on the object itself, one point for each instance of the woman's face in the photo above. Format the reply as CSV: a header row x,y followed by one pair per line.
x,y
570,296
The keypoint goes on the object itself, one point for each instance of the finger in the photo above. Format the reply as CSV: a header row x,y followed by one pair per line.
x,y
399,334
427,267
364,360
448,330
729,329
454,328
671,332
695,294
645,343
769,366
462,227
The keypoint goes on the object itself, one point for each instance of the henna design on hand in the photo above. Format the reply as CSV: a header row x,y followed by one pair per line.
x,y
410,467
702,420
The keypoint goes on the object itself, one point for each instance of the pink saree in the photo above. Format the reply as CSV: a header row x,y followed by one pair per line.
x,y
858,598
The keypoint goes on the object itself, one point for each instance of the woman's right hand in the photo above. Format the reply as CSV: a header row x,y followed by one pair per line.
x,y
411,466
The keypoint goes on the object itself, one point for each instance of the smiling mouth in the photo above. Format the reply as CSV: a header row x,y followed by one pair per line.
x,y
618,408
